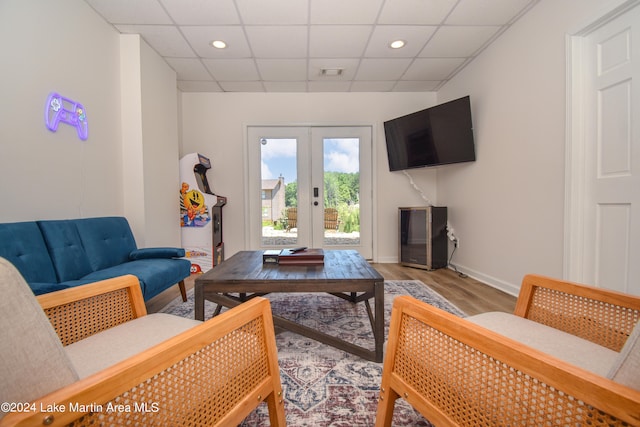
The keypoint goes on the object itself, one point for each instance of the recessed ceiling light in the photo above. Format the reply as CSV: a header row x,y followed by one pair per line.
x,y
397,44
218,44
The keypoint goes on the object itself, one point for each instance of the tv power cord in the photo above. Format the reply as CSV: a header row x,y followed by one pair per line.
x,y
461,274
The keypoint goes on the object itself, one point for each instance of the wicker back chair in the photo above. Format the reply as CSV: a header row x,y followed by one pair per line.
x,y
212,374
457,373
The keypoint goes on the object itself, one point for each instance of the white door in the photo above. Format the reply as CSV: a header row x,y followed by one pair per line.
x,y
611,155
310,186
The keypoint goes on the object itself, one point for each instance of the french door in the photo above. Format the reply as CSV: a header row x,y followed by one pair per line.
x,y
310,186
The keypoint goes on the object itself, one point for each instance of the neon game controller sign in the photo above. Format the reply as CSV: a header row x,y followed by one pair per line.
x,y
63,110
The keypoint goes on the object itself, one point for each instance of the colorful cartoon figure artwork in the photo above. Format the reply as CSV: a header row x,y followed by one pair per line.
x,y
63,110
193,210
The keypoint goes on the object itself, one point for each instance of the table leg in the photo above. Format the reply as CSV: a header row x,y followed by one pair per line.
x,y
378,331
199,302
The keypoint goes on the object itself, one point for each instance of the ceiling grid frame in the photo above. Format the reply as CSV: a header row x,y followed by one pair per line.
x,y
181,32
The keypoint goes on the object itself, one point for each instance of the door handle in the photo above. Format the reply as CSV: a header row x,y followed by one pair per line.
x,y
316,192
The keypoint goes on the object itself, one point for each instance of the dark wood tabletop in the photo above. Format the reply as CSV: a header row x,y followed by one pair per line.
x,y
247,267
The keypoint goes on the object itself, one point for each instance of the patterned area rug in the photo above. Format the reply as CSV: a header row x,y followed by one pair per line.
x,y
324,386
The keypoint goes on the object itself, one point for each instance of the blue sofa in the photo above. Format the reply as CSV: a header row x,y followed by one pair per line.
x,y
58,254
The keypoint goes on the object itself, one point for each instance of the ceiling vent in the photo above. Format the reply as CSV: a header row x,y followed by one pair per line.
x,y
331,72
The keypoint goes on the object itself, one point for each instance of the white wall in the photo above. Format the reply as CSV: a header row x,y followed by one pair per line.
x,y
161,155
132,137
60,46
149,144
127,89
213,125
508,207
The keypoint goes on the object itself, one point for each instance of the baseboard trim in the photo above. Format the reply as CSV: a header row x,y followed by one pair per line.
x,y
387,260
501,285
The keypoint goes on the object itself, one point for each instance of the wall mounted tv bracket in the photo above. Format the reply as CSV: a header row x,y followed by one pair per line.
x,y
60,109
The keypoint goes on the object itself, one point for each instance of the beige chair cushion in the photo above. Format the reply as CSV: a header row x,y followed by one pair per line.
x,y
32,360
564,346
626,369
114,345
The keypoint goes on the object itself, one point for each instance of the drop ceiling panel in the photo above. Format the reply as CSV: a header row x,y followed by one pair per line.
x,y
273,12
415,37
431,12
202,12
282,70
232,70
458,41
344,12
382,69
338,41
278,42
200,38
164,39
137,12
281,45
432,68
486,12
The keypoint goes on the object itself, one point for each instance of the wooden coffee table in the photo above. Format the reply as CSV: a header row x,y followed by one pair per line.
x,y
345,274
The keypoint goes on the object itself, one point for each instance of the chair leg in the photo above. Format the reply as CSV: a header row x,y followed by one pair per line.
x,y
386,404
183,290
275,403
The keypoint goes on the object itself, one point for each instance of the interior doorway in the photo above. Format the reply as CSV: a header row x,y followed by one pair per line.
x,y
602,220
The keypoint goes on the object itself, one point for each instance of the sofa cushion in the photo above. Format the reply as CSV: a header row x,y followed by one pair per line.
x,y
22,244
626,369
151,253
564,346
116,344
155,275
40,288
107,241
32,360
65,249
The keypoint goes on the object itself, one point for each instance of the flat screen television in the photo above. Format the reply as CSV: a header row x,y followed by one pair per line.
x,y
439,135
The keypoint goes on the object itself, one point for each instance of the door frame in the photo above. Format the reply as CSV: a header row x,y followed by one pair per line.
x,y
575,147
250,199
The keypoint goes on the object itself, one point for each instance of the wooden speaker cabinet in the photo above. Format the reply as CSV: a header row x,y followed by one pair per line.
x,y
423,237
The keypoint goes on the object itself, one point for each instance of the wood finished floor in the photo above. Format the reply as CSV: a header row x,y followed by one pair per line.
x,y
468,294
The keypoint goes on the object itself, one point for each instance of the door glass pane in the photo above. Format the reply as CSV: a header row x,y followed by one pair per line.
x,y
341,191
279,191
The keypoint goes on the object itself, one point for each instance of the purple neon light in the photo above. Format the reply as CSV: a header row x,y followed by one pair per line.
x,y
60,109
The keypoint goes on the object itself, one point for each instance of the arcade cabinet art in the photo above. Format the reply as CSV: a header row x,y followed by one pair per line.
x,y
200,214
